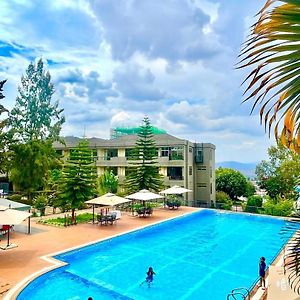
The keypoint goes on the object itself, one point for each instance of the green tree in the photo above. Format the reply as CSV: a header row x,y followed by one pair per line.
x,y
34,123
144,172
272,52
30,164
250,189
79,179
279,174
34,116
232,182
108,183
223,200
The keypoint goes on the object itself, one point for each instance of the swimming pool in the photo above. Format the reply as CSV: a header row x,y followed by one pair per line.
x,y
199,256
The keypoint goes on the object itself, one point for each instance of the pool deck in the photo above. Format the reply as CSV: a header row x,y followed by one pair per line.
x,y
19,263
25,260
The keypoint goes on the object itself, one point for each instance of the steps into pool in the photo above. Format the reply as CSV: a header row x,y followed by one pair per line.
x,y
103,289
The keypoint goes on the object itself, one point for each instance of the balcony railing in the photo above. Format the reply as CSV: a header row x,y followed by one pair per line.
x,y
175,157
175,177
105,157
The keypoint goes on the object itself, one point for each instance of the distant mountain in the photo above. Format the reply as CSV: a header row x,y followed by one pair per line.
x,y
247,169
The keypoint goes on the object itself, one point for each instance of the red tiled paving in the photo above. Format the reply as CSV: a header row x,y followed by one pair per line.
x,y
20,262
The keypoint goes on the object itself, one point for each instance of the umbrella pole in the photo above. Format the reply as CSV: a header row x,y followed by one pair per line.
x,y
28,226
8,236
93,213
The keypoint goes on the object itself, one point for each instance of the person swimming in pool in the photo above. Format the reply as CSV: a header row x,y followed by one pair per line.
x,y
149,279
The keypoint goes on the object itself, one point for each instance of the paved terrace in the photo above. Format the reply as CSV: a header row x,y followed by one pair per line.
x,y
20,262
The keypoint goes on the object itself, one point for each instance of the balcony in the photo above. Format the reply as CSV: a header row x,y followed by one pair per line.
x,y
175,157
111,161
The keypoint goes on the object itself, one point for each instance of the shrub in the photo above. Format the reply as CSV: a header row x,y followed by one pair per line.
x,y
40,203
173,203
15,197
253,204
223,200
279,207
250,189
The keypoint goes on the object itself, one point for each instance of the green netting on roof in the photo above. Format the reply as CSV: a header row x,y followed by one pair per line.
x,y
120,131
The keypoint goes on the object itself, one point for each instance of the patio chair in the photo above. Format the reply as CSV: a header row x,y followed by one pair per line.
x,y
4,229
101,219
111,218
141,211
148,211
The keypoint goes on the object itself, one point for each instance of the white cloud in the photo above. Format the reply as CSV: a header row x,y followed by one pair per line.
x,y
115,62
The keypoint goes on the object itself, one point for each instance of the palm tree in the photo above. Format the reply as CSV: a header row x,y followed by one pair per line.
x,y
273,53
108,182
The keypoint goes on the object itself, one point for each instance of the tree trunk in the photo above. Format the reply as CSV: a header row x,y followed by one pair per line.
x,y
73,216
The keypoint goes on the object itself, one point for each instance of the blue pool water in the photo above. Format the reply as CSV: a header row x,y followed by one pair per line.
x,y
200,256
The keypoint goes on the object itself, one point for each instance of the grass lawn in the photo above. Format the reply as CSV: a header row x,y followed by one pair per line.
x,y
82,218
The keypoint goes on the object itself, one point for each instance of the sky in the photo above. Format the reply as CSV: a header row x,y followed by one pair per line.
x,y
114,62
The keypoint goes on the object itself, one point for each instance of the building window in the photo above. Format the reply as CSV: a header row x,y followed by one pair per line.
x,y
174,173
190,170
202,185
190,149
202,168
211,188
59,152
164,151
176,153
111,153
199,156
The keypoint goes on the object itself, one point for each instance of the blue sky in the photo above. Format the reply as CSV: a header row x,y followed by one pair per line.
x,y
113,62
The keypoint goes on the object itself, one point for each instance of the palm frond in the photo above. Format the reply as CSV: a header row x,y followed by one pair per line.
x,y
273,53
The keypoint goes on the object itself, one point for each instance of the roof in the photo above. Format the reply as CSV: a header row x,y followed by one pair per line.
x,y
121,141
73,141
14,205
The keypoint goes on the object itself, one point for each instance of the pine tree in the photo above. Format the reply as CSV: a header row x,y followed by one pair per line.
x,y
34,115
79,179
144,172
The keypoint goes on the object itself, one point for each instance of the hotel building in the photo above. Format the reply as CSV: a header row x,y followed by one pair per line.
x,y
181,162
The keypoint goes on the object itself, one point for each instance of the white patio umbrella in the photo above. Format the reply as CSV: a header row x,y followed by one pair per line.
x,y
10,217
144,195
107,200
175,190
